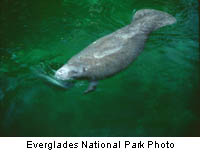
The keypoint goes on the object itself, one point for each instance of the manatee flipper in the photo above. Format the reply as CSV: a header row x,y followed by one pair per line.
x,y
92,86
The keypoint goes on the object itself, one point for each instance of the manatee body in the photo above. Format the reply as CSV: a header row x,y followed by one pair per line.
x,y
114,52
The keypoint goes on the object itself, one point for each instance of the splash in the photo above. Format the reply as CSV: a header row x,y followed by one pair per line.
x,y
48,77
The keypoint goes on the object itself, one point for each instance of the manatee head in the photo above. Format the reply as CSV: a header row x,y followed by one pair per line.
x,y
68,72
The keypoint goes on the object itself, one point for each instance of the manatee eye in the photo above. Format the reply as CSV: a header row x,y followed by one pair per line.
x,y
84,69
74,72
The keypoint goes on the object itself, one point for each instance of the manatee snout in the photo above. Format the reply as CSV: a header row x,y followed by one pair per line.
x,y
64,73
67,72
61,75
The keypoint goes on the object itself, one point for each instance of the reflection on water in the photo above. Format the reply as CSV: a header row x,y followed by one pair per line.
x,y
156,96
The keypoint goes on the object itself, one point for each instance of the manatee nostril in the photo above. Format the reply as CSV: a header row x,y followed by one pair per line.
x,y
57,74
60,72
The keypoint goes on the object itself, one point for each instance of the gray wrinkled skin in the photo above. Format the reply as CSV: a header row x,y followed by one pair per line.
x,y
114,52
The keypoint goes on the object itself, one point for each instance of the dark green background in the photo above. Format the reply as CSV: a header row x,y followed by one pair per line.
x,y
156,96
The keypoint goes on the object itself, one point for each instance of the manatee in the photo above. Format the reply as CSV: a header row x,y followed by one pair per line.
x,y
113,53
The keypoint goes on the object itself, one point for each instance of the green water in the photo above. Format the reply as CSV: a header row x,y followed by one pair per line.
x,y
156,96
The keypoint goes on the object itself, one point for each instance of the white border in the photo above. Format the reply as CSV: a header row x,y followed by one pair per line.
x,y
181,144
